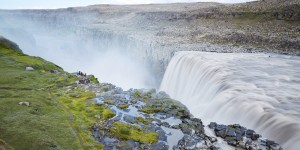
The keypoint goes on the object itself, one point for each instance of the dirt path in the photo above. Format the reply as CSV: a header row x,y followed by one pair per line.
x,y
70,118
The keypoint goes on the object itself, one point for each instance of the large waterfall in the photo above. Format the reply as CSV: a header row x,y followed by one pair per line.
x,y
259,91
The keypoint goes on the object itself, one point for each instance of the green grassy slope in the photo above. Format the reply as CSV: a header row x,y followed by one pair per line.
x,y
43,124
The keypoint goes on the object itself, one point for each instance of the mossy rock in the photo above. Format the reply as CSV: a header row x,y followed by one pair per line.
x,y
128,132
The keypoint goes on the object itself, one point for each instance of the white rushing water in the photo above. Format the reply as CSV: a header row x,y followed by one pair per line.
x,y
259,91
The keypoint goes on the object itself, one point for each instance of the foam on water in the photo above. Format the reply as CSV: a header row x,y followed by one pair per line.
x,y
259,91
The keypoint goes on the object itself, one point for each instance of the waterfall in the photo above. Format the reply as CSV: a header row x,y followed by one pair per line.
x,y
259,91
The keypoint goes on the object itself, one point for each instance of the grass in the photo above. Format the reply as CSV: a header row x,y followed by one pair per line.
x,y
129,132
45,123
76,101
5,146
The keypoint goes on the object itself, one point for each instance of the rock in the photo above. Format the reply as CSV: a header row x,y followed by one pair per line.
x,y
162,136
160,146
272,145
187,142
214,148
97,117
220,127
145,146
220,131
263,142
212,125
175,127
165,124
213,139
230,132
126,145
231,141
29,68
24,103
255,137
239,137
130,119
110,143
249,133
186,129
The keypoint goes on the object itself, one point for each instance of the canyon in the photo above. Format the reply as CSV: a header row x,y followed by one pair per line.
x,y
132,45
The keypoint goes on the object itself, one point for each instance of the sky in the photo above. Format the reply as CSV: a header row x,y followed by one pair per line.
x,y
51,4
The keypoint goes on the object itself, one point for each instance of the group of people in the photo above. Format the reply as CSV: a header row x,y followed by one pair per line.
x,y
84,79
81,73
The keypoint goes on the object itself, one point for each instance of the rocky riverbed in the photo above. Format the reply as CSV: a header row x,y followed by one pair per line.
x,y
147,119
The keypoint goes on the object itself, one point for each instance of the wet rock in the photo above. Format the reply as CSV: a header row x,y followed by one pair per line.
x,y
213,139
255,137
160,146
212,125
110,143
272,145
193,142
220,131
145,146
241,137
230,132
231,141
161,134
175,127
249,133
162,95
143,109
186,129
214,148
165,124
126,145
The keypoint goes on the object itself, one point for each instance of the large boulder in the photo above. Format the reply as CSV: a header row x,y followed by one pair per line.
x,y
29,69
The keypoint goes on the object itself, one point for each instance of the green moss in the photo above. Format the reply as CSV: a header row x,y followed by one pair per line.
x,y
84,113
109,101
128,132
124,106
144,121
93,79
137,94
150,92
151,110
107,113
124,131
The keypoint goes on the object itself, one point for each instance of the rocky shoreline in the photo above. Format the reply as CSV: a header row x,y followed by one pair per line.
x,y
147,119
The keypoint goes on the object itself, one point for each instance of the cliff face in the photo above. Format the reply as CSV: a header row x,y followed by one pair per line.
x,y
152,33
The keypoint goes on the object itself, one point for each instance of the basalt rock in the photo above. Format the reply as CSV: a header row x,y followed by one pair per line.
x,y
238,136
161,123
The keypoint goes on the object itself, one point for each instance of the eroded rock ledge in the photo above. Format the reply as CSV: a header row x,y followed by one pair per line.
x,y
147,119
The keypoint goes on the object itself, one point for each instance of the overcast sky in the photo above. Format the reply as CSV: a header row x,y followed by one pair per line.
x,y
42,4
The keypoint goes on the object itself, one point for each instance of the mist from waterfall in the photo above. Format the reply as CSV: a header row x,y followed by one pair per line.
x,y
108,60
259,91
